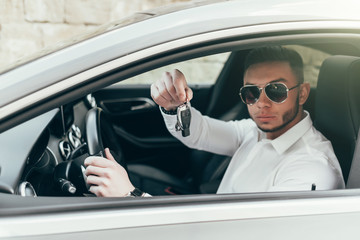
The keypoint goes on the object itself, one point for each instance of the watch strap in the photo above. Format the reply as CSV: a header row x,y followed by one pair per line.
x,y
135,193
172,112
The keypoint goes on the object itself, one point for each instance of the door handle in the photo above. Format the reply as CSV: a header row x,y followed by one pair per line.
x,y
127,105
143,106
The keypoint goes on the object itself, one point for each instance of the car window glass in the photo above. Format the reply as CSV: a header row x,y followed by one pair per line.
x,y
202,70
312,59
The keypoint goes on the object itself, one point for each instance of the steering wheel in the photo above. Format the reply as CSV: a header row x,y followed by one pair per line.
x,y
100,134
69,175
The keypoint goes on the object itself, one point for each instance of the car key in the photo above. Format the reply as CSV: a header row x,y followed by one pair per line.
x,y
183,119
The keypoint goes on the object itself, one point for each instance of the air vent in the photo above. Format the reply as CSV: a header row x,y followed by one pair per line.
x,y
65,149
75,142
76,131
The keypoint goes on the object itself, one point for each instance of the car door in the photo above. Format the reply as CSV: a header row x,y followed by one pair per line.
x,y
310,215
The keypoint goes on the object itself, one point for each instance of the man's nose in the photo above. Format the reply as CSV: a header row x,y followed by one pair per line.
x,y
263,101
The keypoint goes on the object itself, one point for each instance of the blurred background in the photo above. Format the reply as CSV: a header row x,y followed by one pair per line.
x,y
26,26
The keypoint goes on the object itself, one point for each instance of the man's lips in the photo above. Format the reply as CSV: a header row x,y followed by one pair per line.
x,y
265,118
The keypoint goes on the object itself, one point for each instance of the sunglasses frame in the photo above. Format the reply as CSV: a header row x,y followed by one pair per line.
x,y
260,90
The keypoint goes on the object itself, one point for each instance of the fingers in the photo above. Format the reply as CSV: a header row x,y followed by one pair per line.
x,y
98,171
93,180
101,166
171,90
106,177
108,155
98,161
189,94
97,191
158,98
100,189
180,85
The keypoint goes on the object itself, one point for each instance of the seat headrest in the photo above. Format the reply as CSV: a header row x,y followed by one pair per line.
x,y
337,105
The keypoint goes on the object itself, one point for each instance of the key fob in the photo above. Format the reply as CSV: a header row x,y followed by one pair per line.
x,y
184,119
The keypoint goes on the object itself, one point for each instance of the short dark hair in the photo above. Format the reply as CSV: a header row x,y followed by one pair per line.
x,y
277,53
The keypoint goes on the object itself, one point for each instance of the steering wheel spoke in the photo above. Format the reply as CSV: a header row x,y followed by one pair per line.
x,y
99,127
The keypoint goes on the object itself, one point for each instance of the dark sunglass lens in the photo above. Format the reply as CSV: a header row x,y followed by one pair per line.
x,y
250,94
277,92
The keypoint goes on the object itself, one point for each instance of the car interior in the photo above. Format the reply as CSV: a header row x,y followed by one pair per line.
x,y
132,127
337,104
338,79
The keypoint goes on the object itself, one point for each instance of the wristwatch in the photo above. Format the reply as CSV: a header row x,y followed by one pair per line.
x,y
135,193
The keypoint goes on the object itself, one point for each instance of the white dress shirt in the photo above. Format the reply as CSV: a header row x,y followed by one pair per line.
x,y
294,161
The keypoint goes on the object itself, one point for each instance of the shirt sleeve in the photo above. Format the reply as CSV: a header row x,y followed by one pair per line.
x,y
302,174
207,134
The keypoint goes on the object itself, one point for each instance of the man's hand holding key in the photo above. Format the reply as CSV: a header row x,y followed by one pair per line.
x,y
171,90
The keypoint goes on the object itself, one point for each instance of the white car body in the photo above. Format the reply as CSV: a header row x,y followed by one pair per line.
x,y
291,215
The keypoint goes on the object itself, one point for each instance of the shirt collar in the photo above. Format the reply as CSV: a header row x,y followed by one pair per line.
x,y
286,140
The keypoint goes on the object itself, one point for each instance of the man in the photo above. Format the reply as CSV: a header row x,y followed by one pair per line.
x,y
278,149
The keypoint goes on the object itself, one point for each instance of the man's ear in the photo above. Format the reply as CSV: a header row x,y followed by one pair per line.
x,y
304,93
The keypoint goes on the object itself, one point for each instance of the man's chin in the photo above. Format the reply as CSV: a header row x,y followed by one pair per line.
x,y
268,130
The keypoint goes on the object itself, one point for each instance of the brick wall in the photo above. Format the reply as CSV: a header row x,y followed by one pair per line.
x,y
27,26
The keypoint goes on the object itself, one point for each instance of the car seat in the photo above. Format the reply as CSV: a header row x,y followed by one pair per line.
x,y
337,106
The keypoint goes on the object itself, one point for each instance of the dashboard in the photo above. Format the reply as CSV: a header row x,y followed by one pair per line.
x,y
31,152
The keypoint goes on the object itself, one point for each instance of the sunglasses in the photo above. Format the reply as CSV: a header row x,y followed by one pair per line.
x,y
276,92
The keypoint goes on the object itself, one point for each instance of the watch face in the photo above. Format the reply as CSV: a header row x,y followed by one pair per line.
x,y
137,192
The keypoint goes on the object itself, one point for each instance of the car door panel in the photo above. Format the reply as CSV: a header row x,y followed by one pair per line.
x,y
138,123
331,215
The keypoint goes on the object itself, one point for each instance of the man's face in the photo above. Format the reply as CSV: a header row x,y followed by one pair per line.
x,y
274,118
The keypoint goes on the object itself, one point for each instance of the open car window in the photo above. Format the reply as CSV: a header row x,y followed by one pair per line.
x,y
202,70
312,58
205,70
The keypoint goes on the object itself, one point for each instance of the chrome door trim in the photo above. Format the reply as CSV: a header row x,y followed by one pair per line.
x,y
76,222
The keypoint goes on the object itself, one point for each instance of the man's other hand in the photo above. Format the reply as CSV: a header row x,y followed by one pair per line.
x,y
106,177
